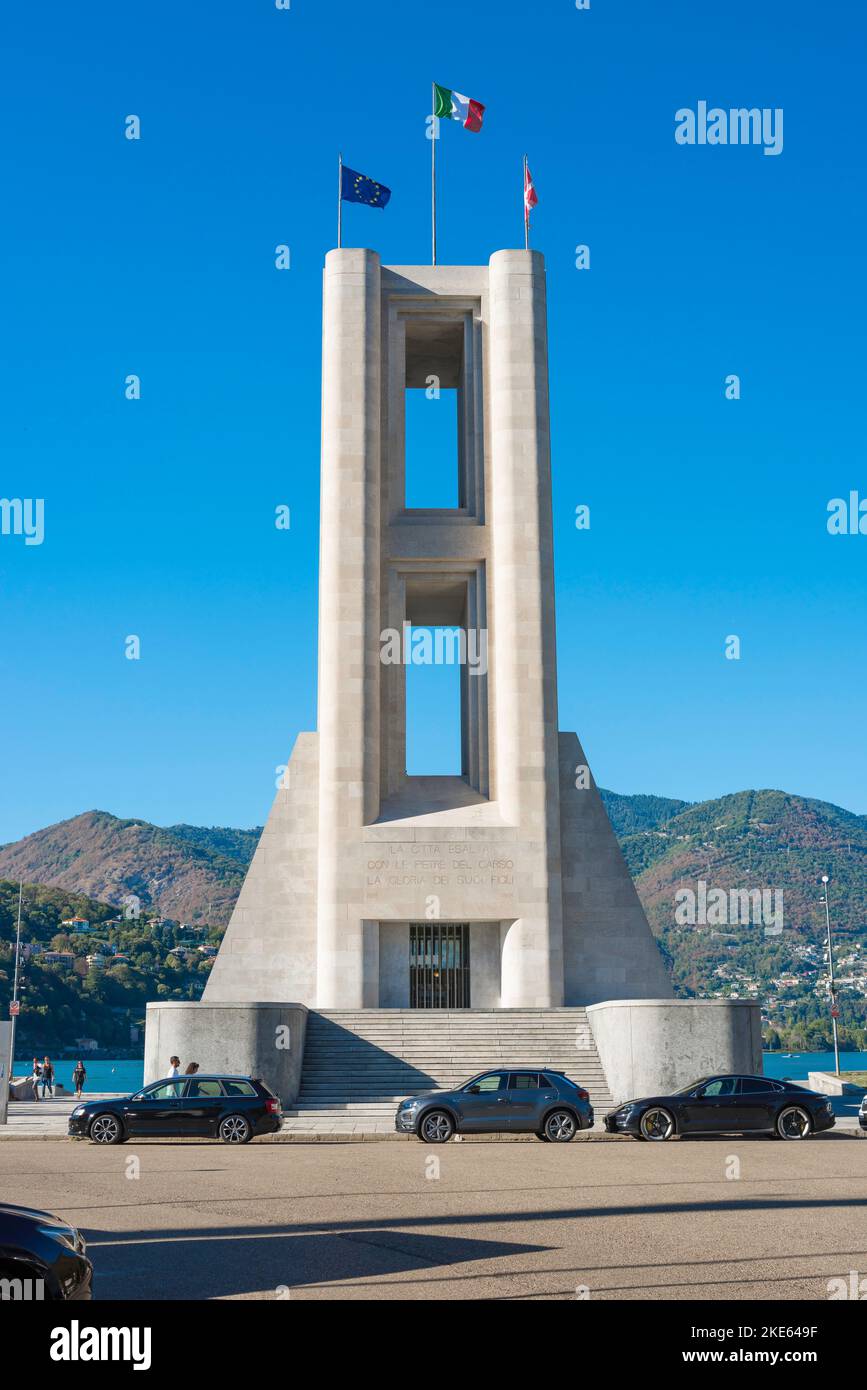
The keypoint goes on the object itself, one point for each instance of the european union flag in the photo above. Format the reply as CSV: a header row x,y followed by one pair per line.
x,y
358,188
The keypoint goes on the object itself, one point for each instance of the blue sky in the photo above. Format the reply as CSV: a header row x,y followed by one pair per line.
x,y
156,257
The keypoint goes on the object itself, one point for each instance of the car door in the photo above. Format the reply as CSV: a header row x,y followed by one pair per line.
x,y
155,1110
758,1102
203,1102
484,1104
713,1106
527,1100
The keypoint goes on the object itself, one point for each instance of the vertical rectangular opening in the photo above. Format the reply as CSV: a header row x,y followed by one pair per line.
x,y
439,965
434,702
431,446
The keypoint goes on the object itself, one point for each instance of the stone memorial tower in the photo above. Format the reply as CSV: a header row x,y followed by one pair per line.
x,y
503,887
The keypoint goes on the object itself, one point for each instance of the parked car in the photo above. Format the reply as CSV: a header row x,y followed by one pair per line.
x,y
862,1113
42,1257
232,1108
725,1105
520,1099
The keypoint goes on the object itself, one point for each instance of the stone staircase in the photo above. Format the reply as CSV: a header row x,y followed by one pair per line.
x,y
359,1063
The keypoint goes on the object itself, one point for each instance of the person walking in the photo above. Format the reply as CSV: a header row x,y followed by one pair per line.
x,y
79,1076
191,1069
174,1066
47,1082
34,1079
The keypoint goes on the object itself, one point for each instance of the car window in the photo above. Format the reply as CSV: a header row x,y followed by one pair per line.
x,y
492,1082
721,1086
752,1085
524,1081
239,1088
167,1090
545,1082
204,1087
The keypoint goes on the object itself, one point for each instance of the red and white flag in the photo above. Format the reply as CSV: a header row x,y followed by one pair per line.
x,y
530,196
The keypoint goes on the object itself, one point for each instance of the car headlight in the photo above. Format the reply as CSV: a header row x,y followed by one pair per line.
x,y
65,1234
409,1104
79,1110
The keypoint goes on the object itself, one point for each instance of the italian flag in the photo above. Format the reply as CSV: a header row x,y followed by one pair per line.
x,y
455,107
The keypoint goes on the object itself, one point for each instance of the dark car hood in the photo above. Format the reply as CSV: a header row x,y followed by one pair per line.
x,y
646,1100
101,1104
31,1214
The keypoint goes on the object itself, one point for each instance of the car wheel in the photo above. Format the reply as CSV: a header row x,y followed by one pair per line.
x,y
437,1127
560,1127
234,1129
794,1123
106,1129
657,1123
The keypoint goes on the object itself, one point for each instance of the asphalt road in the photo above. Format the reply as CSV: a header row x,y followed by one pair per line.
x,y
168,1220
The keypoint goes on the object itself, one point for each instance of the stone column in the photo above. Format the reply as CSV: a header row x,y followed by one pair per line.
x,y
349,667
523,601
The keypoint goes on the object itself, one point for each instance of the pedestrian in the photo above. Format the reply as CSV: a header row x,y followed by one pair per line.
x,y
47,1081
34,1078
174,1066
79,1076
192,1068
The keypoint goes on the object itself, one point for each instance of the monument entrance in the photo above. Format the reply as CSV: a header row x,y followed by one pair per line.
x,y
439,965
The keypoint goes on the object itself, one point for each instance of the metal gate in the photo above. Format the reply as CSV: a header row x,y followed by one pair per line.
x,y
439,965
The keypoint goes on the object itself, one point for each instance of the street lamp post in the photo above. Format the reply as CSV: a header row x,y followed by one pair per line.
x,y
825,880
6,1081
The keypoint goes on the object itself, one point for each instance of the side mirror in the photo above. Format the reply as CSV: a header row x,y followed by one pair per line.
x,y
473,1091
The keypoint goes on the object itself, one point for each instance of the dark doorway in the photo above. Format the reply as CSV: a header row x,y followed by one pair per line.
x,y
439,965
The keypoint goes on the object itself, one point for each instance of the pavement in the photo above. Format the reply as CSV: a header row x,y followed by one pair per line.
x,y
724,1218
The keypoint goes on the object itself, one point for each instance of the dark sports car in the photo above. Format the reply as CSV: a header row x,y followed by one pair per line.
x,y
232,1108
42,1257
725,1105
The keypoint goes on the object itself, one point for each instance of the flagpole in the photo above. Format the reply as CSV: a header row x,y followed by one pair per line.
x,y
433,173
526,211
339,201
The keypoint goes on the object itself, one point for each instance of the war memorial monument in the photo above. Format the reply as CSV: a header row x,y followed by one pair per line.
x,y
422,922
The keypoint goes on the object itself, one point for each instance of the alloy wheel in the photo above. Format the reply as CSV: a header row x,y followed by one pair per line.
x,y
794,1123
560,1127
234,1130
436,1128
657,1124
105,1130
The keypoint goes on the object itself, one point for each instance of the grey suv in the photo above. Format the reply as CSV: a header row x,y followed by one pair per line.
x,y
520,1099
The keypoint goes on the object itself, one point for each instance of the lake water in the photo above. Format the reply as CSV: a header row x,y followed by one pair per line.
x,y
101,1076
128,1076
777,1064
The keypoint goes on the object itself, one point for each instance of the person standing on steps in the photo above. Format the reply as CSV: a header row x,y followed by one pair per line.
x,y
34,1079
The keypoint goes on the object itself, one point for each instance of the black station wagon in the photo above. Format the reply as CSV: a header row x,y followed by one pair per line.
x,y
232,1108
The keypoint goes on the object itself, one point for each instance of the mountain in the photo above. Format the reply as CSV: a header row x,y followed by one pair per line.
x,y
630,814
748,841
185,872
